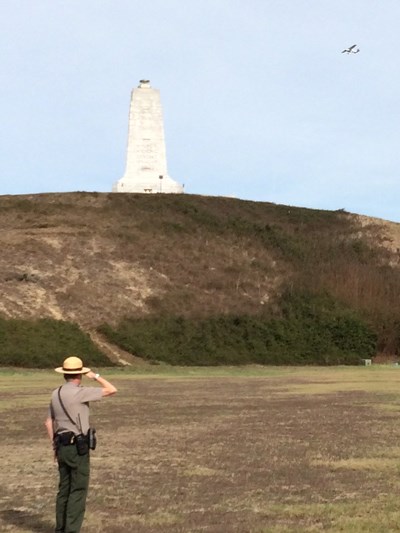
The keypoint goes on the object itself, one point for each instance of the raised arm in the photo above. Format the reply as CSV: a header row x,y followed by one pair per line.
x,y
108,388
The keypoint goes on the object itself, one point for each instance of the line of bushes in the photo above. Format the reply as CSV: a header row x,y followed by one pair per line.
x,y
45,343
311,330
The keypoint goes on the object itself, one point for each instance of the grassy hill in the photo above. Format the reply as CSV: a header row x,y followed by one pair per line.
x,y
198,280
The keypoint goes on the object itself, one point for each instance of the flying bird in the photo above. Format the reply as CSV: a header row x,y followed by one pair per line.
x,y
350,50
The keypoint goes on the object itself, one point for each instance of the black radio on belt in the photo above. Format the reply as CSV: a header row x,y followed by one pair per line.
x,y
82,445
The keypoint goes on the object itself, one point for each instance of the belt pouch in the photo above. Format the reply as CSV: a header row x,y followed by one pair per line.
x,y
92,438
82,445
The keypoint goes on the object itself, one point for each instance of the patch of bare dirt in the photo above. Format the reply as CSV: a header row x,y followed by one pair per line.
x,y
93,258
66,276
389,233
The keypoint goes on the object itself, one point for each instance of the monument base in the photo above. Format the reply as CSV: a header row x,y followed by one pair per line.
x,y
148,185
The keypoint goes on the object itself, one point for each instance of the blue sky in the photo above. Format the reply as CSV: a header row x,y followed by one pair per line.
x,y
259,103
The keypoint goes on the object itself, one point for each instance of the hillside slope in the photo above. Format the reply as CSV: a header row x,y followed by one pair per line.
x,y
94,258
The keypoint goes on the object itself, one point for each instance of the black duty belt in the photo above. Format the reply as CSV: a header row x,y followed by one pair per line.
x,y
66,438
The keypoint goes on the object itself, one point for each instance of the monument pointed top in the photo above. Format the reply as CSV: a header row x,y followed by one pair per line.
x,y
144,84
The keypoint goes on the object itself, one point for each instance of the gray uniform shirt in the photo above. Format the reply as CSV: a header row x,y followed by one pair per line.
x,y
76,401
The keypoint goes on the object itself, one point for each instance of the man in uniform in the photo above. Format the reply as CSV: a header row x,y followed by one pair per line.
x,y
67,425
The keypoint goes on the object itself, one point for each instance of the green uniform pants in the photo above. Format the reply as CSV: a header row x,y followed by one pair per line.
x,y
72,490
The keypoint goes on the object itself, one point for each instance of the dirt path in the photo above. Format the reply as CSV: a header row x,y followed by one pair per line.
x,y
114,353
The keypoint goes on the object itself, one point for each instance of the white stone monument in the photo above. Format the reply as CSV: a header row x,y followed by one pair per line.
x,y
146,161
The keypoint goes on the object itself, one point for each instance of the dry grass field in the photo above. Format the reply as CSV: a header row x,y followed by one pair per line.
x,y
216,450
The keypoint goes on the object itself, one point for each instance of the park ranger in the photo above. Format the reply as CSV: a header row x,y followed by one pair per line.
x,y
67,425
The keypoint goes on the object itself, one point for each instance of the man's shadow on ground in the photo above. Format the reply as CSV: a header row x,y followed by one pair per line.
x,y
27,520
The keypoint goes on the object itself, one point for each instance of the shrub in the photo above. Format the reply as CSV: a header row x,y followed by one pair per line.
x,y
312,329
45,343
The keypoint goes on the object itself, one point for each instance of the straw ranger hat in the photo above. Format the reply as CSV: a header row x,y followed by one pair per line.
x,y
72,365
